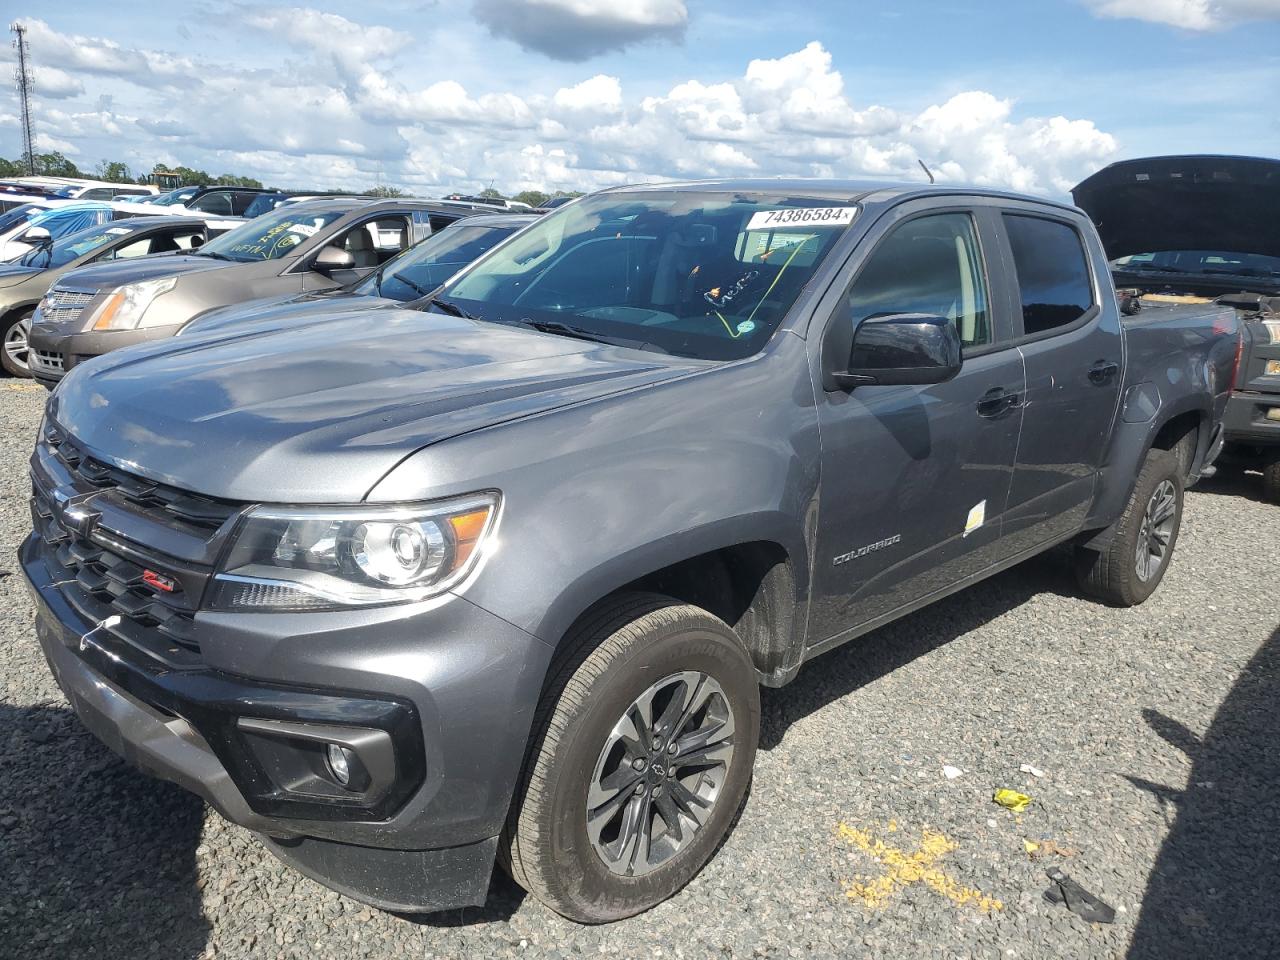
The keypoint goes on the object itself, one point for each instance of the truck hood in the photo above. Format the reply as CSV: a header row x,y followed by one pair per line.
x,y
118,272
321,411
1185,203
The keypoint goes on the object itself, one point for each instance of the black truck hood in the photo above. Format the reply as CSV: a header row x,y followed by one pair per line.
x,y
1185,203
104,275
321,411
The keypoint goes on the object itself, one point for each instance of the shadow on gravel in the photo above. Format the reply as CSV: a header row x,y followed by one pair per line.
x,y
1213,889
96,860
1233,483
505,897
853,665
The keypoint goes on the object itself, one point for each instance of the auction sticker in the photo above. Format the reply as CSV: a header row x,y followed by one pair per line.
x,y
803,217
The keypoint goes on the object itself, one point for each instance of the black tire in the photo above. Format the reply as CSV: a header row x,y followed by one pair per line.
x,y
1271,481
10,326
1113,574
619,652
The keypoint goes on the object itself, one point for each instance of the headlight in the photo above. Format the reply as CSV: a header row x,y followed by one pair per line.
x,y
314,558
124,308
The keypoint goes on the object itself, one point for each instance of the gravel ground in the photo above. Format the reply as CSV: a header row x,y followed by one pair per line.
x,y
1154,731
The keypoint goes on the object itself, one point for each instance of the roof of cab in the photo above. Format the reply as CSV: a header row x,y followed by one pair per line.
x,y
847,191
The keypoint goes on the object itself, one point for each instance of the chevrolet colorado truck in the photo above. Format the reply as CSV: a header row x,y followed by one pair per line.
x,y
409,591
1205,228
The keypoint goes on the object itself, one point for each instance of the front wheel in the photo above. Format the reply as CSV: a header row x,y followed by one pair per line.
x,y
1128,570
642,753
14,348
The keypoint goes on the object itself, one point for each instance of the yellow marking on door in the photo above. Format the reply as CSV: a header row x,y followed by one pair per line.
x,y
902,869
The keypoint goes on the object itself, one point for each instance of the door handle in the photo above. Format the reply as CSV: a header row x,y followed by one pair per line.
x,y
1103,370
996,401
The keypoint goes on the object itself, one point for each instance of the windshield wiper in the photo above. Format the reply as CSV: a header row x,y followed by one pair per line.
x,y
416,287
212,255
1148,268
448,306
580,333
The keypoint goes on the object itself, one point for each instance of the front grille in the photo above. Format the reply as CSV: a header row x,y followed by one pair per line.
x,y
187,509
147,537
62,306
46,360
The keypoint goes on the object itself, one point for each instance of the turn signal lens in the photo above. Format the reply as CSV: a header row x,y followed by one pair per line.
x,y
108,311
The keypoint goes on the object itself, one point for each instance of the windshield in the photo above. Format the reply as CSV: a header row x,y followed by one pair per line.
x,y
421,269
271,235
71,247
1202,261
261,204
707,275
18,215
181,195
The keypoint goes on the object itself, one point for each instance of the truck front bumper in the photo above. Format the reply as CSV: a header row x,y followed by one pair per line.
x,y
1246,420
422,836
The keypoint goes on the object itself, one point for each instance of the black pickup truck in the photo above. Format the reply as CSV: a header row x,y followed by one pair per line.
x,y
498,574
1197,228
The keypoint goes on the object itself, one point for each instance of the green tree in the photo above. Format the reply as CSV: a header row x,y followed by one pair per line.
x,y
384,191
491,194
12,168
534,198
114,171
231,180
54,165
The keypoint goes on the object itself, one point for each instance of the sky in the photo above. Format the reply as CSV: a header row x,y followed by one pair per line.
x,y
433,97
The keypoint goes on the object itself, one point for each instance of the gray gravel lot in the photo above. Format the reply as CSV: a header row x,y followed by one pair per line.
x,y
1156,730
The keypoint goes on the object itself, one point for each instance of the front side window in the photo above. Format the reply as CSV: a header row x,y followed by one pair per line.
x,y
930,265
1053,274
374,242
217,203
702,274
71,247
271,235
432,262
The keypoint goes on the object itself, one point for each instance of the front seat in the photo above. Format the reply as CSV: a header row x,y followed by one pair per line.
x,y
164,244
360,246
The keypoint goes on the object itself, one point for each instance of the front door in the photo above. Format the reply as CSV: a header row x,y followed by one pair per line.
x,y
1072,346
915,479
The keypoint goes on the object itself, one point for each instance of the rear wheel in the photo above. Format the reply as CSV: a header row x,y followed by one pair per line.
x,y
14,349
642,753
1271,481
1133,563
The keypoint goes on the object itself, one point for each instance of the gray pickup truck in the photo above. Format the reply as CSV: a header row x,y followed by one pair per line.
x,y
500,577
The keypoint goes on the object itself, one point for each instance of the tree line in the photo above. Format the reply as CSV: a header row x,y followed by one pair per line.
x,y
114,171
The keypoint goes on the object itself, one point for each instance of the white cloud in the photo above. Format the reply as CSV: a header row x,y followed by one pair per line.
x,y
1188,14
54,84
577,30
304,123
600,94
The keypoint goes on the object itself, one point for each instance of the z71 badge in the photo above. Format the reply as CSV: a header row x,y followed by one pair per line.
x,y
869,548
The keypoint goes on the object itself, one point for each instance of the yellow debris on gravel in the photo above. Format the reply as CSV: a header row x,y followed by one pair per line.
x,y
1011,800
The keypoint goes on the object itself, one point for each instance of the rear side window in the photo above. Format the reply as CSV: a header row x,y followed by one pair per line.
x,y
1053,274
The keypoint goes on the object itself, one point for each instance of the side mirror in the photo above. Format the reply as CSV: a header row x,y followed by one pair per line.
x,y
329,259
36,236
902,348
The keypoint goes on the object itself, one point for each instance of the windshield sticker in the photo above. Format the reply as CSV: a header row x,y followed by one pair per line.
x,y
718,297
117,231
802,217
746,326
306,229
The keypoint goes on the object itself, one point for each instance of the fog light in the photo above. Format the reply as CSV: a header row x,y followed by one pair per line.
x,y
1273,368
1273,413
339,763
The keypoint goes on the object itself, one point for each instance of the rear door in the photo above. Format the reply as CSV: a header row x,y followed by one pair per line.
x,y
915,478
1071,343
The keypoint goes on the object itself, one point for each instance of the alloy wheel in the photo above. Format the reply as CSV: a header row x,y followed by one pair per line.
x,y
660,773
1156,531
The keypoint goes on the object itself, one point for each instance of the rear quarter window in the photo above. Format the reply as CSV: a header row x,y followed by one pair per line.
x,y
1053,272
